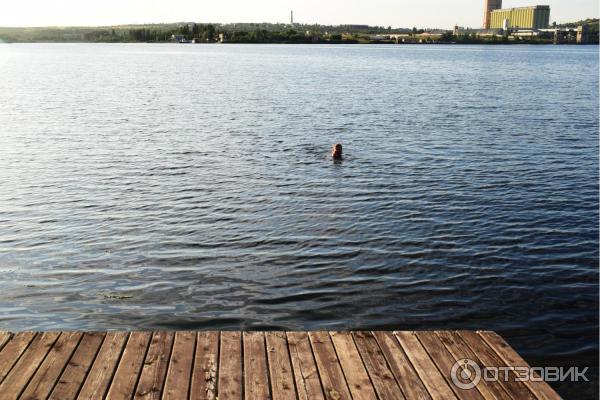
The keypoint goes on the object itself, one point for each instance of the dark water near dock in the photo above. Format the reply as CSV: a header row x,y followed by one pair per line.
x,y
188,187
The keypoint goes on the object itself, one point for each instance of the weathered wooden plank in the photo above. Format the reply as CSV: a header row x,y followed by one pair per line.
x,y
383,379
204,376
306,376
512,359
460,351
4,338
12,351
330,371
354,370
103,369
230,366
177,383
77,368
411,385
154,371
21,373
130,365
47,375
280,366
431,377
488,357
256,377
445,362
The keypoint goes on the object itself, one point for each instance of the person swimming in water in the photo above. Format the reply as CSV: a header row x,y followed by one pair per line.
x,y
336,151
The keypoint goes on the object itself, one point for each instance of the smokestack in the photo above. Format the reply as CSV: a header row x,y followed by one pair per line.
x,y
488,7
292,17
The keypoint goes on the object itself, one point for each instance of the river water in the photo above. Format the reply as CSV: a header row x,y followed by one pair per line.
x,y
189,187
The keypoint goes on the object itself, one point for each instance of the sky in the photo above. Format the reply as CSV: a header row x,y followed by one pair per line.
x,y
395,13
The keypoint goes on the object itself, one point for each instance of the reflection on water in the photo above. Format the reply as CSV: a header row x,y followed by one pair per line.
x,y
190,187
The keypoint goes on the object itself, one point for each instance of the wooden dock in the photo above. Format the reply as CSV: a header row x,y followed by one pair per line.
x,y
255,365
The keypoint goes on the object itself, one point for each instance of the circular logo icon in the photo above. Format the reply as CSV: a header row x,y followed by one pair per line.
x,y
466,374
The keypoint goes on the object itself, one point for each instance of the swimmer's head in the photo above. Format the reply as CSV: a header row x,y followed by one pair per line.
x,y
336,151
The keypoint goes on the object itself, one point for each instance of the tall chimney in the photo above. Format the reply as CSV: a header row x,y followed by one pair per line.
x,y
489,6
292,17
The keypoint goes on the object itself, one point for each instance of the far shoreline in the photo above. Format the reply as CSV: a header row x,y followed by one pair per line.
x,y
579,32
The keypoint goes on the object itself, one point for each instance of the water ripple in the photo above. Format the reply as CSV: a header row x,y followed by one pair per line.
x,y
190,188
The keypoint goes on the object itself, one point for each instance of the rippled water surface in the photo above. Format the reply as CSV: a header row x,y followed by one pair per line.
x,y
188,187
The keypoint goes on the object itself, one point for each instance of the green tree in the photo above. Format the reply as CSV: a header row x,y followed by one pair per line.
x,y
447,36
210,32
184,30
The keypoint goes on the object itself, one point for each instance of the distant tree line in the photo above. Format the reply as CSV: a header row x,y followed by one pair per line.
x,y
286,36
471,38
236,33
592,23
593,28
